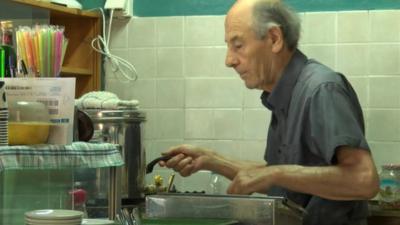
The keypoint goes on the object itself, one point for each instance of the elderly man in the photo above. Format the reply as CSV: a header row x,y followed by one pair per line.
x,y
316,152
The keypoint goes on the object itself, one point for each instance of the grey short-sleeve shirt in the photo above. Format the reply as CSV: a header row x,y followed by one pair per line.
x,y
314,111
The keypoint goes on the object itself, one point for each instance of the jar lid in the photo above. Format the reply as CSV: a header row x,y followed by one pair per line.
x,y
391,166
116,115
28,111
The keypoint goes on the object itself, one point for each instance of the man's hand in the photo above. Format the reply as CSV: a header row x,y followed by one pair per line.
x,y
188,159
251,180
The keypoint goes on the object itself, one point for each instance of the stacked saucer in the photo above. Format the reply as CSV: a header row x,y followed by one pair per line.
x,y
53,217
3,127
3,116
97,222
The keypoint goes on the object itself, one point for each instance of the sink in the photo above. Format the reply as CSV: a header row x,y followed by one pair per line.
x,y
244,209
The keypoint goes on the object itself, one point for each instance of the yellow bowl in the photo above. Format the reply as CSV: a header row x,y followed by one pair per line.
x,y
28,133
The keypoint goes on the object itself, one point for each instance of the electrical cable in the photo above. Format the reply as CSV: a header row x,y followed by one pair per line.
x,y
101,44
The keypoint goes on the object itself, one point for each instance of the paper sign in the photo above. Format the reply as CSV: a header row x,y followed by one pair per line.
x,y
58,94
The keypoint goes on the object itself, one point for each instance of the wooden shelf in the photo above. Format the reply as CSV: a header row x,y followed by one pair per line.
x,y
62,10
76,71
81,27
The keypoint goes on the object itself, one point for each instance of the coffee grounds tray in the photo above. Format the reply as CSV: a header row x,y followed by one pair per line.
x,y
245,209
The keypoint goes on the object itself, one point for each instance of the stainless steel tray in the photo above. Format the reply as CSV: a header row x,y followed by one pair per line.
x,y
245,209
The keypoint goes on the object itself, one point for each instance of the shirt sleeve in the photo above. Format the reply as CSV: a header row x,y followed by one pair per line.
x,y
335,119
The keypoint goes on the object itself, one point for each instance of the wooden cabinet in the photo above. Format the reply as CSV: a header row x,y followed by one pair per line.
x,y
81,27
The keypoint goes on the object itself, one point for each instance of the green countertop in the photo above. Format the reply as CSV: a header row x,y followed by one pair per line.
x,y
188,222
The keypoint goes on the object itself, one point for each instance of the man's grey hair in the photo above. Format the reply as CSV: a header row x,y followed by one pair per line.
x,y
267,14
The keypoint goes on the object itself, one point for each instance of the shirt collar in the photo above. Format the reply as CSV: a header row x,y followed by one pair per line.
x,y
281,94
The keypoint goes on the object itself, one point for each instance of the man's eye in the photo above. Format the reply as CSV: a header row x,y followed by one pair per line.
x,y
238,46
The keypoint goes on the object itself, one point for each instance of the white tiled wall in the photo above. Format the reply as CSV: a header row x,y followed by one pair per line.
x,y
191,97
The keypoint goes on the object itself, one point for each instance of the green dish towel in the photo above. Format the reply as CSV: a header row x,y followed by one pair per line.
x,y
76,155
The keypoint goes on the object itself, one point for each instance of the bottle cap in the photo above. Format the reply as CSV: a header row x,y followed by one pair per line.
x,y
391,166
6,24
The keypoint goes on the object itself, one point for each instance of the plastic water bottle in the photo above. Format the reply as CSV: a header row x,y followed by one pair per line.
x,y
389,195
215,184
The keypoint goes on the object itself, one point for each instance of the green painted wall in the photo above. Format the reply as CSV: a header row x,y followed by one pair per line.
x,y
181,7
220,7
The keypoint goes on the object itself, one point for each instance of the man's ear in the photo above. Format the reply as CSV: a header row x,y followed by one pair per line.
x,y
276,36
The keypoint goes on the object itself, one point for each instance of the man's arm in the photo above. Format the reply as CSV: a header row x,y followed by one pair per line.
x,y
230,167
353,177
188,159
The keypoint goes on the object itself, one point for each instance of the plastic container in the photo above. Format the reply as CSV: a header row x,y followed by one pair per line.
x,y
29,123
389,194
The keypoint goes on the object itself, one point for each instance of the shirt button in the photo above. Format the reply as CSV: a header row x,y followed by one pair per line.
x,y
280,149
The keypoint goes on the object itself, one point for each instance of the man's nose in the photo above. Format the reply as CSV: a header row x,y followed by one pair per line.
x,y
230,60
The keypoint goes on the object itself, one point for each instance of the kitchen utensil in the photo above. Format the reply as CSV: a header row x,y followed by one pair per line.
x,y
127,216
170,182
136,217
121,218
125,128
133,218
150,166
85,126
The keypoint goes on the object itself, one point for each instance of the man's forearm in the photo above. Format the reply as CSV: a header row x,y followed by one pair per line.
x,y
331,182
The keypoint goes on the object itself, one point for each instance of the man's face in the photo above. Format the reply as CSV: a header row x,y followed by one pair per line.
x,y
248,55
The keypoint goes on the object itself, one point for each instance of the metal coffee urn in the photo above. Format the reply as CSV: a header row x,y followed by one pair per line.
x,y
123,127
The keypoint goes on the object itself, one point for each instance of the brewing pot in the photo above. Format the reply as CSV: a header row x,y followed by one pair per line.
x,y
123,127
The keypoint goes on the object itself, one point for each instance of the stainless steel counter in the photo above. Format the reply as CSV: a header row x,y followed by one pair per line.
x,y
245,209
379,216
